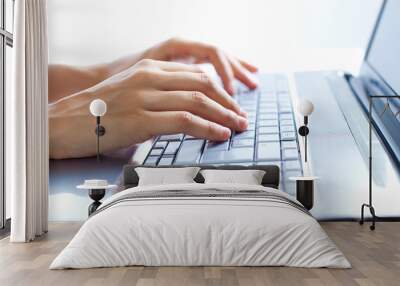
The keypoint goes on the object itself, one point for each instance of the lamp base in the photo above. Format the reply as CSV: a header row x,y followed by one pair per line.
x,y
375,218
372,211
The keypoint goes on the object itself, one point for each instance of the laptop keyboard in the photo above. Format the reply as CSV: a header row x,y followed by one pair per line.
x,y
271,137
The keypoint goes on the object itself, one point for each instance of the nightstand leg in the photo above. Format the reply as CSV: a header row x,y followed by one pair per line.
x,y
93,207
96,195
305,193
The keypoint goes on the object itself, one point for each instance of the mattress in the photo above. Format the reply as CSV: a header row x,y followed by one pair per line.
x,y
201,225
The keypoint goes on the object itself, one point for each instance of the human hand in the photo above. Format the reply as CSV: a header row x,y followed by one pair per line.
x,y
156,97
227,66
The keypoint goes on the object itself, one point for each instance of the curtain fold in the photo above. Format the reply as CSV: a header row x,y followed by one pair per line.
x,y
28,121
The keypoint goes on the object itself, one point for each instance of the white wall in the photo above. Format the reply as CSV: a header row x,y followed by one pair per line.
x,y
275,34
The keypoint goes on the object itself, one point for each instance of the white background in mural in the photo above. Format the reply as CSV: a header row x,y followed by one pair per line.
x,y
277,35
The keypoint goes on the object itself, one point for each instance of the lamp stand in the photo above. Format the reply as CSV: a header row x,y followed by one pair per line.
x,y
304,131
369,205
100,131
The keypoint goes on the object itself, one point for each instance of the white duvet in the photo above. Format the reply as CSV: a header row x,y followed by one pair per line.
x,y
200,231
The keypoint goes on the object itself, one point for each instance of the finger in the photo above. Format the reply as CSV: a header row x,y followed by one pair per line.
x,y
242,74
213,55
198,104
248,66
171,122
198,82
175,67
222,67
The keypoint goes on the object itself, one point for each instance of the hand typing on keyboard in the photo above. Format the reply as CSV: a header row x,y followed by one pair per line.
x,y
270,137
146,97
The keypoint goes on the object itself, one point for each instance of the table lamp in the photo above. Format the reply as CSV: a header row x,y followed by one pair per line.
x,y
98,108
305,108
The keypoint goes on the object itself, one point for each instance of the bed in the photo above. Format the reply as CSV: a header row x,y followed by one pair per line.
x,y
197,224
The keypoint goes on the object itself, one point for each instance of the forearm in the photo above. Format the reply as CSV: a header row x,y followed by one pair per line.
x,y
71,127
66,80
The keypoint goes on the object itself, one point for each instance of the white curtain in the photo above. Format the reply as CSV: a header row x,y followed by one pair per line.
x,y
27,121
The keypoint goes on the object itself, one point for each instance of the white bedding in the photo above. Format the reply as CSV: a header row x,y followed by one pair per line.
x,y
185,231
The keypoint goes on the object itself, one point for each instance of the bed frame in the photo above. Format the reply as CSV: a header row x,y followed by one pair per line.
x,y
270,179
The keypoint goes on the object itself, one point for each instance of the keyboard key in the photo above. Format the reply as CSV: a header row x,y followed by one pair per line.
x,y
171,137
286,122
244,135
284,99
282,85
268,123
290,154
251,114
269,151
285,103
268,105
268,116
156,152
166,161
268,137
251,120
251,127
269,110
287,128
288,136
252,108
248,103
267,82
151,161
285,110
268,130
190,137
243,143
234,155
268,99
190,152
213,146
286,116
172,147
160,145
249,95
266,94
289,144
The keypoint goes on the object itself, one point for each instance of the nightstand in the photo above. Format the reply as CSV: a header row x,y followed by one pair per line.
x,y
97,190
305,190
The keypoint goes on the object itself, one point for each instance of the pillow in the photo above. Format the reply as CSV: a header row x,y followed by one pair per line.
x,y
165,176
248,177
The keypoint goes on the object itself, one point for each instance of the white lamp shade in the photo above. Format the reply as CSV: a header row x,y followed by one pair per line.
x,y
305,107
98,107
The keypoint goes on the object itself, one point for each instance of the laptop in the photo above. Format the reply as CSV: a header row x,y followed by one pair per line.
x,y
272,136
337,143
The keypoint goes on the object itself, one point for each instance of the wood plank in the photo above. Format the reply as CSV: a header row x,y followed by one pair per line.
x,y
375,257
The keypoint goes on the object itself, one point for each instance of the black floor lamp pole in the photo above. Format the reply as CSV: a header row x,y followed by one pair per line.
x,y
369,205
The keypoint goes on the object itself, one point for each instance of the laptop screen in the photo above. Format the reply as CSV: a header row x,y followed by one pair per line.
x,y
384,51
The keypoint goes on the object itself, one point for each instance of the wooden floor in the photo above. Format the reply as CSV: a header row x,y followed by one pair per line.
x,y
375,257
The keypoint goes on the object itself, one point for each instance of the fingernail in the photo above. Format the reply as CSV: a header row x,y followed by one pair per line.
x,y
243,113
243,123
230,89
253,80
226,133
